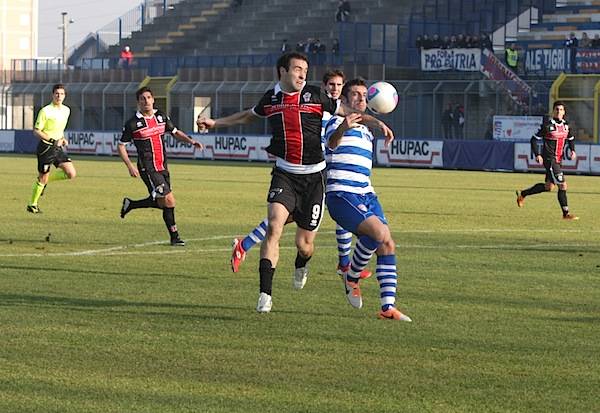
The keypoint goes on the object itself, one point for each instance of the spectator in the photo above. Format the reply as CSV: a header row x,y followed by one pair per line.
x,y
300,46
596,42
459,121
436,43
453,44
285,47
448,121
315,45
308,46
419,42
572,43
489,124
486,42
467,41
475,43
343,11
511,56
126,58
460,41
585,42
426,42
445,42
335,47
322,49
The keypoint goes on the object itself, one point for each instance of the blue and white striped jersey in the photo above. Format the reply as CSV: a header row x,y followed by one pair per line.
x,y
349,165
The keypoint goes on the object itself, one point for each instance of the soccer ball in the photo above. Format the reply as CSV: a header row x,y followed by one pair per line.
x,y
382,98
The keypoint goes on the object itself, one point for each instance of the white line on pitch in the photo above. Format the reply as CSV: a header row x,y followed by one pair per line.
x,y
182,250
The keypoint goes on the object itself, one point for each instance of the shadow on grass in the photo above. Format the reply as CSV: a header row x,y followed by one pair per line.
x,y
46,270
117,306
196,311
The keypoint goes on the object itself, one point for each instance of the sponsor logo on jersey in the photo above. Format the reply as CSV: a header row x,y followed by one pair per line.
x,y
274,192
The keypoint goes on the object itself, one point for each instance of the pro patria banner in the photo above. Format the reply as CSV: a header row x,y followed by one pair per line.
x,y
464,60
408,152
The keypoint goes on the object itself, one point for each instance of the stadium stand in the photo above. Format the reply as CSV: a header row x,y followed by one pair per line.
x,y
576,17
205,27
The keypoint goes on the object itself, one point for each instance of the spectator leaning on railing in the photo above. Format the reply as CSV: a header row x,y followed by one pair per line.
x,y
126,58
572,43
511,56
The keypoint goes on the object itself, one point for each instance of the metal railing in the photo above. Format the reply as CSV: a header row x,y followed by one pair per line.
x,y
105,106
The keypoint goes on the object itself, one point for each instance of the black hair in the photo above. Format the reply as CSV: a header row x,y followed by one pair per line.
x,y
142,90
284,61
57,86
359,81
333,73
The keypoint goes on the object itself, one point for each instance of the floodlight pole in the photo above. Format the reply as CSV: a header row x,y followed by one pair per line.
x,y
64,38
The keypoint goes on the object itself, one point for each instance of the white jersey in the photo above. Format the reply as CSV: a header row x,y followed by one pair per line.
x,y
349,164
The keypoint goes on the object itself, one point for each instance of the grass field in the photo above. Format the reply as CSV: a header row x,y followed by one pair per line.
x,y
105,317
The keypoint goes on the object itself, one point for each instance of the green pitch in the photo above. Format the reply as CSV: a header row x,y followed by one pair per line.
x,y
99,314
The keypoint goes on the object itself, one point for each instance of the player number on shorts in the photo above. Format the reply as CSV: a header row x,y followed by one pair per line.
x,y
316,212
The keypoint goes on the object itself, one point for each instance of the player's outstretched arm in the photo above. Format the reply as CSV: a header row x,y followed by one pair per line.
x,y
370,121
180,135
243,117
374,123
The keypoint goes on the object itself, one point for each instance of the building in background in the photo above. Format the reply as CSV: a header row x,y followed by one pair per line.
x,y
18,31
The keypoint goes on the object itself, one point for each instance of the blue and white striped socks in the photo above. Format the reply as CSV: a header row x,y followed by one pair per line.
x,y
344,245
387,278
363,251
255,236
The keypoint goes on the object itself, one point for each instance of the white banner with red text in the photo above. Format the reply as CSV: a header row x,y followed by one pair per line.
x,y
525,160
416,153
516,128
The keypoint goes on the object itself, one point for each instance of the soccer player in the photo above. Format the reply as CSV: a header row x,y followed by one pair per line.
x,y
49,128
352,202
333,81
295,112
146,129
554,134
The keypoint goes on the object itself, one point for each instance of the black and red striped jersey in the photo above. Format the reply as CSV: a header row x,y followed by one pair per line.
x,y
295,120
147,135
554,134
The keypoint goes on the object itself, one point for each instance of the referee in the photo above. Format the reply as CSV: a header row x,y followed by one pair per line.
x,y
49,128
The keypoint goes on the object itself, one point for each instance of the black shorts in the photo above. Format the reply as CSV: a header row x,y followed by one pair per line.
x,y
48,155
554,172
158,183
302,195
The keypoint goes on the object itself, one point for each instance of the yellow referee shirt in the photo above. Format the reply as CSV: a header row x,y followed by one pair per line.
x,y
52,120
